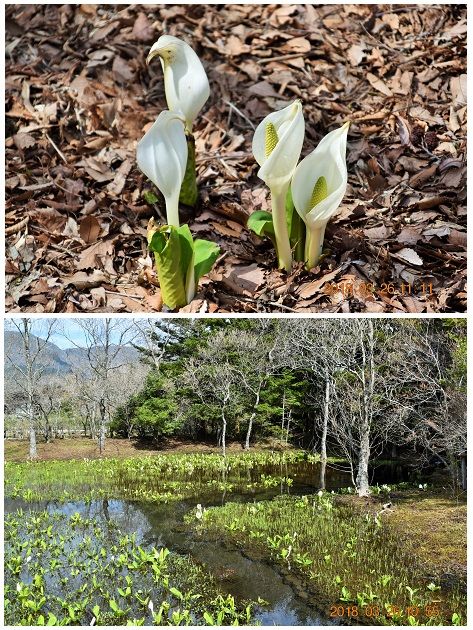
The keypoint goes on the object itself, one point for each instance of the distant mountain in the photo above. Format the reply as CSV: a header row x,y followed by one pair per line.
x,y
56,360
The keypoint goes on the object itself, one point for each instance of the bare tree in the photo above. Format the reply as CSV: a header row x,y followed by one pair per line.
x,y
103,341
49,399
214,380
25,353
154,340
315,348
125,383
250,358
367,375
434,416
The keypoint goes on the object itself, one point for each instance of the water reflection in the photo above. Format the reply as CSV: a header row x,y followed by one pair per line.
x,y
161,525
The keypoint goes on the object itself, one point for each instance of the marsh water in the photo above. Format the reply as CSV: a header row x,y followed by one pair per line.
x,y
244,576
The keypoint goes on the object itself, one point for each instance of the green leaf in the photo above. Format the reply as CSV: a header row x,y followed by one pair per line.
x,y
205,254
176,593
171,250
209,619
189,193
150,197
261,223
187,249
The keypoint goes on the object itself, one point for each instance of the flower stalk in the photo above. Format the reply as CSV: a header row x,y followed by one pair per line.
x,y
318,187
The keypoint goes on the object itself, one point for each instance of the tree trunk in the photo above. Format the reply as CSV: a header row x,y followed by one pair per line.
x,y
102,427
48,432
362,479
288,423
33,451
367,379
283,415
463,472
253,415
102,439
323,446
224,433
31,418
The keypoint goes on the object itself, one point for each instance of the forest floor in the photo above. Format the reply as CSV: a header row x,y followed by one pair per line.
x,y
79,96
78,448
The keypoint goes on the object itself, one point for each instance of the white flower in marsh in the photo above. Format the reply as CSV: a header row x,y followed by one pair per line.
x,y
151,606
185,81
162,156
320,493
318,187
277,146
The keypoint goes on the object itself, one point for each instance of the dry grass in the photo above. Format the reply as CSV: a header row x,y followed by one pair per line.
x,y
78,448
434,524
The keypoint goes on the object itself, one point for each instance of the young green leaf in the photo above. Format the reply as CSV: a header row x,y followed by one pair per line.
x,y
205,254
261,223
172,251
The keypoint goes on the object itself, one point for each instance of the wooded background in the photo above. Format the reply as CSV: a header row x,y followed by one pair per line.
x,y
360,389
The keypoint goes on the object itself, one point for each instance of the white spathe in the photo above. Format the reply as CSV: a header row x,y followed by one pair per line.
x,y
185,81
277,168
327,160
162,156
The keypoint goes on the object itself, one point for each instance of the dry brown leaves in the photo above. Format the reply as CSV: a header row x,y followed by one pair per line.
x,y
79,97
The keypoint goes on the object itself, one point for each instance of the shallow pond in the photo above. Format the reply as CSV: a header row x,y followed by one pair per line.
x,y
245,577
161,525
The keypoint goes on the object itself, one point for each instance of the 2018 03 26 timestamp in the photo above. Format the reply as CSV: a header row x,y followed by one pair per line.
x,y
401,289
389,611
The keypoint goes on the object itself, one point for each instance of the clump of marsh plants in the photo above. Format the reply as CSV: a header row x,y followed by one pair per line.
x,y
342,555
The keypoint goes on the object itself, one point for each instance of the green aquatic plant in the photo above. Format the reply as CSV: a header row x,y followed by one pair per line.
x,y
91,587
162,478
345,556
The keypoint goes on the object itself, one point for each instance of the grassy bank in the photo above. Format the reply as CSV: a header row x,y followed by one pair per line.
x,y
433,524
347,557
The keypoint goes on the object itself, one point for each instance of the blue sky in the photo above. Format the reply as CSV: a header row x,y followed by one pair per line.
x,y
66,334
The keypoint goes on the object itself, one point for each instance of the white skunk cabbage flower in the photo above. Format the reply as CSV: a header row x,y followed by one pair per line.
x,y
277,146
318,187
162,156
185,81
